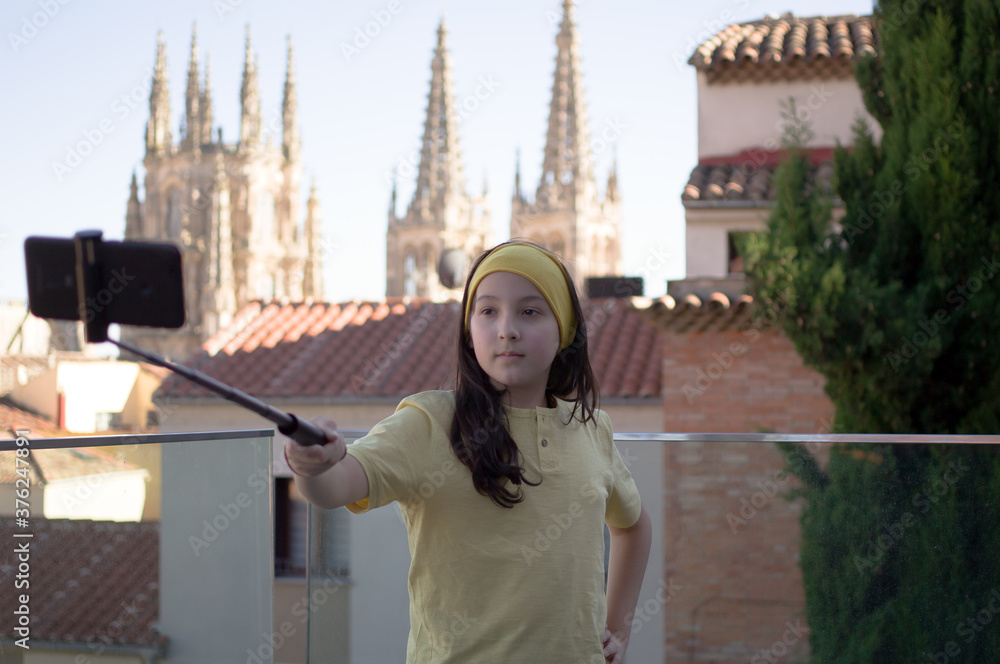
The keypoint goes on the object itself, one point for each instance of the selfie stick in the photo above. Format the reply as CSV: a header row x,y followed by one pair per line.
x,y
88,278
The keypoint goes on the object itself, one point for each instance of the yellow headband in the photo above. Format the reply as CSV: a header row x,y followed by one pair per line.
x,y
539,267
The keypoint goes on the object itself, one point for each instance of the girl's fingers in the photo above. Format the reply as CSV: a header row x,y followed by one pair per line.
x,y
311,460
612,648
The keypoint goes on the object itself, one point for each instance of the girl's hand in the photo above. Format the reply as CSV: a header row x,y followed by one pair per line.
x,y
614,646
312,460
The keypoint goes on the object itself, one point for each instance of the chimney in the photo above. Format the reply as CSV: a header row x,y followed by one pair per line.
x,y
613,287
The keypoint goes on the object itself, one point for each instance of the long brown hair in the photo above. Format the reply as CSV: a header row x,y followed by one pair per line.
x,y
480,435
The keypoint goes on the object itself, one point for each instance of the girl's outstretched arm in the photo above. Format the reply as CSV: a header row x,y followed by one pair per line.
x,y
326,475
627,564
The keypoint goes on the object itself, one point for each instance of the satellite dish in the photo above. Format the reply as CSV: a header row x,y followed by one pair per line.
x,y
452,268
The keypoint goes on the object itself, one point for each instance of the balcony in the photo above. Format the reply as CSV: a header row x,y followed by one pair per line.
x,y
193,548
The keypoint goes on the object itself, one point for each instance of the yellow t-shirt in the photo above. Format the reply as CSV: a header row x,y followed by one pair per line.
x,y
490,584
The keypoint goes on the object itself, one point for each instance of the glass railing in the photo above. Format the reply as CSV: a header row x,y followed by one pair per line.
x,y
137,548
185,548
724,582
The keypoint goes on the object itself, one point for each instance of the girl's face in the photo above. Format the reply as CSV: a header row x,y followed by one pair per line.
x,y
515,336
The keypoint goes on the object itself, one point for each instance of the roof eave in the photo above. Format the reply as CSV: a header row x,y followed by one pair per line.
x,y
835,202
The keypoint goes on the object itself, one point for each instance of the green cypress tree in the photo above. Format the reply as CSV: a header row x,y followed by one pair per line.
x,y
898,307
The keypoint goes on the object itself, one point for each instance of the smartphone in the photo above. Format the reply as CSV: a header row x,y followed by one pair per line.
x,y
140,283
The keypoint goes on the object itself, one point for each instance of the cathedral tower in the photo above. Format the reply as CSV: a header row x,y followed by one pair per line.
x,y
566,216
232,209
441,216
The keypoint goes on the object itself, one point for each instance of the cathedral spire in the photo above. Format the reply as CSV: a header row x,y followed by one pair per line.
x,y
158,137
392,198
312,283
133,213
206,105
218,295
517,177
440,177
249,99
611,192
443,218
192,99
290,139
567,171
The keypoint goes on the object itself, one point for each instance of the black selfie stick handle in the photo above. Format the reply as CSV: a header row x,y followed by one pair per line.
x,y
299,430
89,274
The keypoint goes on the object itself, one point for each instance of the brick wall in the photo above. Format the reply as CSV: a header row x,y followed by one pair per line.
x,y
740,382
731,539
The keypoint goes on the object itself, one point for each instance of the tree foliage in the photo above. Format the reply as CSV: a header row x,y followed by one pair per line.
x,y
897,305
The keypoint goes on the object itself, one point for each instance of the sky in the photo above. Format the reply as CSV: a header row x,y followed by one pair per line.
x,y
75,78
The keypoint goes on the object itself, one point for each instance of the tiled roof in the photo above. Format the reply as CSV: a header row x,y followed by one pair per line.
x,y
16,369
14,418
391,349
692,315
786,48
91,581
57,464
747,178
625,350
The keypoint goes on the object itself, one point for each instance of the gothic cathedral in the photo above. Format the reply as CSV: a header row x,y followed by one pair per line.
x,y
233,209
566,216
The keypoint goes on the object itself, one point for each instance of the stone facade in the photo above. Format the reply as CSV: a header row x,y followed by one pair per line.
x,y
233,209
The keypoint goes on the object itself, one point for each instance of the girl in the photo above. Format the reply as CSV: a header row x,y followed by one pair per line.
x,y
513,540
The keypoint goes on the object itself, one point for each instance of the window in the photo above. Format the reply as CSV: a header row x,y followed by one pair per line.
x,y
410,275
331,543
734,260
107,421
289,529
174,214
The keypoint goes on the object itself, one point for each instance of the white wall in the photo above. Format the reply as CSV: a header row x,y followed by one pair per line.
x,y
645,462
707,237
94,387
646,416
118,496
733,117
90,387
380,603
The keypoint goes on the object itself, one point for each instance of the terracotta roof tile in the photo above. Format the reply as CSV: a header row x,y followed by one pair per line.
x,y
626,351
786,48
747,178
692,315
106,591
391,349
14,418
